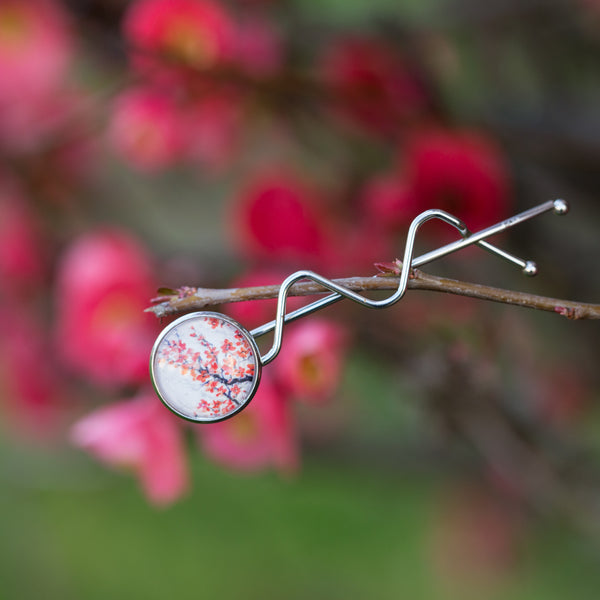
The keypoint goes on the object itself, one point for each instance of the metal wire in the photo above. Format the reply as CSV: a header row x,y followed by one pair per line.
x,y
557,206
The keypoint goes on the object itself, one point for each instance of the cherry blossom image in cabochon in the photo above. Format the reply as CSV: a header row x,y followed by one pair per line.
x,y
205,367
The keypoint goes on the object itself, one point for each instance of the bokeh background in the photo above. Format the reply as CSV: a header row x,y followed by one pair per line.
x,y
443,448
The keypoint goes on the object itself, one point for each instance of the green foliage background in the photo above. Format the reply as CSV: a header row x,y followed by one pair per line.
x,y
338,531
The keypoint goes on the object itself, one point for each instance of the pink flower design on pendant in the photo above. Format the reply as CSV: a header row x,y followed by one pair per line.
x,y
205,367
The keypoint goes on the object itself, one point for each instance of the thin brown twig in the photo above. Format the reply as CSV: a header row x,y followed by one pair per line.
x,y
189,299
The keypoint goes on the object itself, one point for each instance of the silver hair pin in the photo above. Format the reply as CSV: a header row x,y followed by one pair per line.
x,y
206,367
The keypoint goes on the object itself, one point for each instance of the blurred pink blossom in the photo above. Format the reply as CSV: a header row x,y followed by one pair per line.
x,y
364,243
372,85
165,34
259,48
262,435
35,48
213,125
146,129
461,171
35,124
77,157
32,394
389,202
36,51
104,282
141,435
22,264
277,218
310,363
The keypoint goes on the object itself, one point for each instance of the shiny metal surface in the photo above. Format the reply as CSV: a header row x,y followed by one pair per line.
x,y
559,207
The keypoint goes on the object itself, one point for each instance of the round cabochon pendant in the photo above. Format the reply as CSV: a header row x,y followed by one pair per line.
x,y
205,367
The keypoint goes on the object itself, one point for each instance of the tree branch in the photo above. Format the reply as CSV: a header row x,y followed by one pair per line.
x,y
187,299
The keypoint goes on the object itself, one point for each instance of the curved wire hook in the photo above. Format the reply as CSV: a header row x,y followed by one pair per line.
x,y
356,297
559,207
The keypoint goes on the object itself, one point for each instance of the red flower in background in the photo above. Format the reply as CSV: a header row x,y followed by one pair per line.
x,y
310,363
277,218
167,33
262,435
462,172
372,85
140,435
104,282
146,129
389,202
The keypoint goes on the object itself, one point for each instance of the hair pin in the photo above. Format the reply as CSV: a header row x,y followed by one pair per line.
x,y
206,367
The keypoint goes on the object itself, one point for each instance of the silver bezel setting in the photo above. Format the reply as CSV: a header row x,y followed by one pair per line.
x,y
201,315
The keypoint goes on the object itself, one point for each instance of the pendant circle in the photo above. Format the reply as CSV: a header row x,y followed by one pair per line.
x,y
205,367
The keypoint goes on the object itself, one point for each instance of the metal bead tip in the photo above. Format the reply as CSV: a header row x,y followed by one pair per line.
x,y
530,269
561,207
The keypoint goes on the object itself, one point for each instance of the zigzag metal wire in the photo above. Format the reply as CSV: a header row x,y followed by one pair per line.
x,y
559,207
